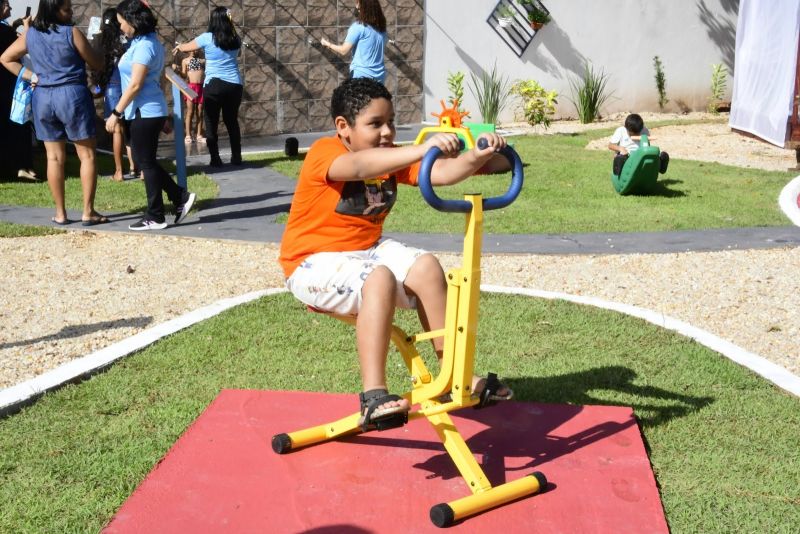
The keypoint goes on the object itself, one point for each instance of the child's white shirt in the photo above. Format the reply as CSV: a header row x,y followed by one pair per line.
x,y
620,137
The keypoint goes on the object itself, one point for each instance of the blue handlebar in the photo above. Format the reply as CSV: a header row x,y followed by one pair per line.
x,y
464,206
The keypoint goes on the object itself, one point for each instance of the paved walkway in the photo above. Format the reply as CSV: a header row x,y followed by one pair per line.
x,y
252,197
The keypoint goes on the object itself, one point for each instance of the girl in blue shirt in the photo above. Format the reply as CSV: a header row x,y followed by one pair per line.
x,y
366,37
222,89
145,109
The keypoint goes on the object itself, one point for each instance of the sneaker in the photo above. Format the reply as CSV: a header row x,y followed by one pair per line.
x,y
215,162
183,210
147,224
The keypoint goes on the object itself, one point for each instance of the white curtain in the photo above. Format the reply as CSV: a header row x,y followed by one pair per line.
x,y
765,67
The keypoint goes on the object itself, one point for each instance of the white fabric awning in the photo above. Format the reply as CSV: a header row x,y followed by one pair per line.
x,y
765,67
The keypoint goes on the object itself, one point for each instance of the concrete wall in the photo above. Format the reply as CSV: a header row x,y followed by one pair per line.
x,y
288,79
619,36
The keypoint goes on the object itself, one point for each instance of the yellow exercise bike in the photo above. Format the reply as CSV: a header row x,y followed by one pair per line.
x,y
450,389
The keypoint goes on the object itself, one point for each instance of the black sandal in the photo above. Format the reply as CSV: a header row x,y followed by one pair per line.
x,y
384,419
489,394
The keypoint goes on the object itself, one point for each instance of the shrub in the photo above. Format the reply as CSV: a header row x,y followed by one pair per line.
x,y
719,83
455,83
538,105
660,83
491,92
590,93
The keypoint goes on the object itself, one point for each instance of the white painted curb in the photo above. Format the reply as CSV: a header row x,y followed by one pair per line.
x,y
788,200
71,370
20,393
776,374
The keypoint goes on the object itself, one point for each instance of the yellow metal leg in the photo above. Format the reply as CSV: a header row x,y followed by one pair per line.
x,y
282,443
445,514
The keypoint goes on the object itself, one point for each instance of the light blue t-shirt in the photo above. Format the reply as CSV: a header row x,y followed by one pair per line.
x,y
220,63
144,50
368,44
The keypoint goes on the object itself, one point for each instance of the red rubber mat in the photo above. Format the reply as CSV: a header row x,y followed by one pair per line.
x,y
222,475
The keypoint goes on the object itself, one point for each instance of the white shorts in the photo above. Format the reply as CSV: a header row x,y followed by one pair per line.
x,y
332,281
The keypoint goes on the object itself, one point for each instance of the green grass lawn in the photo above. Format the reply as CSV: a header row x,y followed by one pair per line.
x,y
568,190
722,441
111,197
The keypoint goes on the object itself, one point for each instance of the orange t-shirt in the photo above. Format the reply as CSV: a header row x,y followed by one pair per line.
x,y
330,216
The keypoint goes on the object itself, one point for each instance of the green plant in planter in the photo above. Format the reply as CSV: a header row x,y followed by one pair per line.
x,y
538,105
504,11
491,92
455,83
537,16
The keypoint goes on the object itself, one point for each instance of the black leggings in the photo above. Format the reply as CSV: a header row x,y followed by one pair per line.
x,y
226,97
144,144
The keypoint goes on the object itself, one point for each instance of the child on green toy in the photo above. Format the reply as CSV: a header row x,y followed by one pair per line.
x,y
626,139
332,252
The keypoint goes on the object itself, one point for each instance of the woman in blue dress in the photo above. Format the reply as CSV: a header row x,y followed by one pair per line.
x,y
366,37
222,88
62,104
144,108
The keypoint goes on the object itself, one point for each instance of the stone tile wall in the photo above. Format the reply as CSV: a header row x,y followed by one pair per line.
x,y
288,77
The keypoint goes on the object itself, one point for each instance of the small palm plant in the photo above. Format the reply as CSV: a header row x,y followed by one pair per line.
x,y
590,93
491,92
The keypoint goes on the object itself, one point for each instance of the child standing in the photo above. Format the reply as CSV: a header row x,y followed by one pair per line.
x,y
193,68
627,139
332,251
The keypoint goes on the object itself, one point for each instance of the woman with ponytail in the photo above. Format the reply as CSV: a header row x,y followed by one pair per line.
x,y
222,89
366,37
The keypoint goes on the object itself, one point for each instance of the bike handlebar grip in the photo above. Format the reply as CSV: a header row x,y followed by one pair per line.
x,y
464,206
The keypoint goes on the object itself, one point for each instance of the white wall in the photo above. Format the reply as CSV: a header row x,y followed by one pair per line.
x,y
619,36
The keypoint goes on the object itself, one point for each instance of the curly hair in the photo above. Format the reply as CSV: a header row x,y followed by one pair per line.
x,y
138,15
112,45
355,94
371,14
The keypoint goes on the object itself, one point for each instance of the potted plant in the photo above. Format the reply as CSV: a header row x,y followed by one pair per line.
x,y
537,15
505,15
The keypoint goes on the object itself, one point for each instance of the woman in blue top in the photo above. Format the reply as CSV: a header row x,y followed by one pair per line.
x,y
366,37
145,111
222,89
62,104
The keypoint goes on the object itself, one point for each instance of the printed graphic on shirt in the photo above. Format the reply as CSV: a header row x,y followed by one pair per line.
x,y
370,198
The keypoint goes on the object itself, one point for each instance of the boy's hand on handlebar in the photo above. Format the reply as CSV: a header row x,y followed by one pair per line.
x,y
494,143
447,143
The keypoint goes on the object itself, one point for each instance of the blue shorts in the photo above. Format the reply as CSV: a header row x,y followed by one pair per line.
x,y
113,94
63,112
